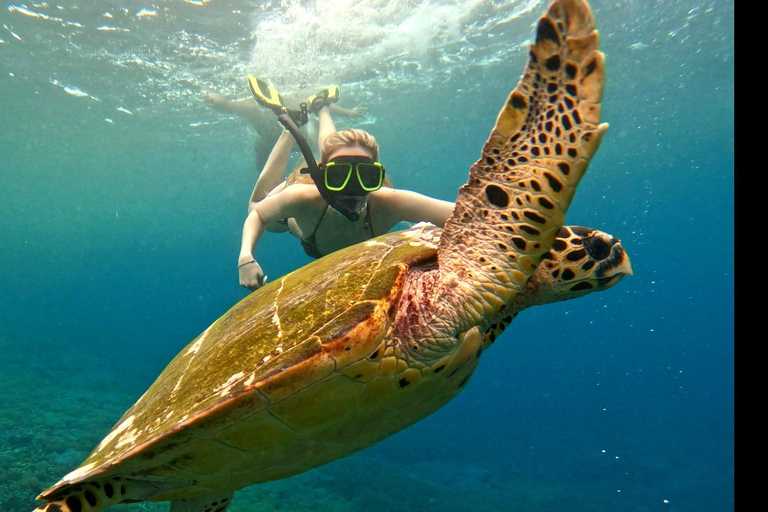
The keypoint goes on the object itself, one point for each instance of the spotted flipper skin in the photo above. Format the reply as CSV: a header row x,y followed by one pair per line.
x,y
98,496
89,497
513,205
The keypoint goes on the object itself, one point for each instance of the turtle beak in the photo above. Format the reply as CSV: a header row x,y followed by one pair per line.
x,y
613,260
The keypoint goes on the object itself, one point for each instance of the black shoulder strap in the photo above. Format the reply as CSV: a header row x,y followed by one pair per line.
x,y
368,217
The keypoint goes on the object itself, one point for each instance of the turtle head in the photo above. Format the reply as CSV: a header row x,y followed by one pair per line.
x,y
581,261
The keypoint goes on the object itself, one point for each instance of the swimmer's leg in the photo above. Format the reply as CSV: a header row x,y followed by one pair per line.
x,y
273,172
326,127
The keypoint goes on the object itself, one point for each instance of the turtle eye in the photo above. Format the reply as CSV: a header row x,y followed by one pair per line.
x,y
597,248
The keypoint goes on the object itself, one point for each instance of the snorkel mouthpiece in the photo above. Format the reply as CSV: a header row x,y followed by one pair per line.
x,y
349,207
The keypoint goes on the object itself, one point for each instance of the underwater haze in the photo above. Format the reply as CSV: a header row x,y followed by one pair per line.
x,y
122,199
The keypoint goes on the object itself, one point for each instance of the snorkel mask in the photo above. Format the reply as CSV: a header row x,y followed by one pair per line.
x,y
344,182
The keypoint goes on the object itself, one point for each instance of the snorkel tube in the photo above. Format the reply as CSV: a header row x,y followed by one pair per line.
x,y
286,118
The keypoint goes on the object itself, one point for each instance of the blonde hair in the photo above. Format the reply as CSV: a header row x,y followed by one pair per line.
x,y
348,138
333,143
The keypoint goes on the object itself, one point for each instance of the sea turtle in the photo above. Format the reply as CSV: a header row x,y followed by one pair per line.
x,y
364,342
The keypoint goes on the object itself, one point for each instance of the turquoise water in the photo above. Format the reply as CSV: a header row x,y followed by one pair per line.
x,y
123,197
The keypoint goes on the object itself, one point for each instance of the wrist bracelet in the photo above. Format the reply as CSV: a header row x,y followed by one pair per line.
x,y
246,263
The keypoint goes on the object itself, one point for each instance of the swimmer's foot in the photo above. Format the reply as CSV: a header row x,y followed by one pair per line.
x,y
300,116
266,95
322,98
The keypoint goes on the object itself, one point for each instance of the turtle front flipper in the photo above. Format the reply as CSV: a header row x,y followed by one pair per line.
x,y
508,214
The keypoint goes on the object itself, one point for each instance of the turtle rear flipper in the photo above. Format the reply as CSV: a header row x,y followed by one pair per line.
x,y
100,495
92,496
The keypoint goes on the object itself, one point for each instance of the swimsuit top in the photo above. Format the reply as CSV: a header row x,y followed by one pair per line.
x,y
310,245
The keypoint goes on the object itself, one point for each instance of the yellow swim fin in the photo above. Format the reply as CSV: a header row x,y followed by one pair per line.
x,y
265,94
323,97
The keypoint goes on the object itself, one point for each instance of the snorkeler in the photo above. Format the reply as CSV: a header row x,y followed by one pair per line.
x,y
344,199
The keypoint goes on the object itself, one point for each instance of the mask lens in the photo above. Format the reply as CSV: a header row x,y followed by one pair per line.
x,y
337,175
370,176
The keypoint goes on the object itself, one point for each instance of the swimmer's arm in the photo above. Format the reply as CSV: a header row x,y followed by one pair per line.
x,y
253,229
283,205
405,205
244,107
352,113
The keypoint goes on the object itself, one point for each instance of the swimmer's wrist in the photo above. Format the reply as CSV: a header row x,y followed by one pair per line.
x,y
241,264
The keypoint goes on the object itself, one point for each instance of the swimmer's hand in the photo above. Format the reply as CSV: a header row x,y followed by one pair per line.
x,y
212,99
357,112
251,275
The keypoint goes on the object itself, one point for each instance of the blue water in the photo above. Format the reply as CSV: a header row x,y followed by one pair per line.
x,y
123,196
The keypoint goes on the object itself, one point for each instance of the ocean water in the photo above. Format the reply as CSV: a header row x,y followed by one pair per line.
x,y
122,197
